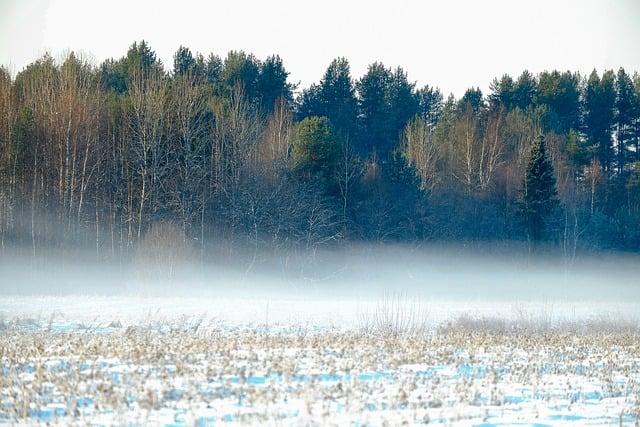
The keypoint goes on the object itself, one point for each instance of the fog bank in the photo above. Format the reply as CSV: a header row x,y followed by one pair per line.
x,y
331,287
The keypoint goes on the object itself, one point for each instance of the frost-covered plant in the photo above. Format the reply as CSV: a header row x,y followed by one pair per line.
x,y
396,315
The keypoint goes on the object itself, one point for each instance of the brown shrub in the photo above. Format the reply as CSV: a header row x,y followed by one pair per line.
x,y
162,253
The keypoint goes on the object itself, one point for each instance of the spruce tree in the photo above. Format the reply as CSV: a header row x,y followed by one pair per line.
x,y
539,191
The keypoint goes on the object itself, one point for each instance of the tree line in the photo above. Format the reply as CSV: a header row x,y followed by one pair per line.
x,y
230,150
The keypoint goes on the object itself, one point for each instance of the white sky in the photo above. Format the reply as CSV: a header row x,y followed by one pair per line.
x,y
452,44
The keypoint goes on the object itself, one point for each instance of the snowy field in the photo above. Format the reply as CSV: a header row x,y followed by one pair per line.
x,y
153,361
343,313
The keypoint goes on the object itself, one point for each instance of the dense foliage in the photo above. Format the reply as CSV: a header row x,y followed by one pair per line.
x,y
226,151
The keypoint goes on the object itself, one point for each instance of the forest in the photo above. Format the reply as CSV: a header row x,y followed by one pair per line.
x,y
215,150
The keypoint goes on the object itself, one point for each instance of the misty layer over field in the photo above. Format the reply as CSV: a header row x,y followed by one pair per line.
x,y
327,288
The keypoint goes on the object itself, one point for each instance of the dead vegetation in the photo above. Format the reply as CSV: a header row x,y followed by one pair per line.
x,y
162,254
198,373
396,315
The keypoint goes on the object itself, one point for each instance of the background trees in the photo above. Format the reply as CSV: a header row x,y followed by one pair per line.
x,y
333,98
226,152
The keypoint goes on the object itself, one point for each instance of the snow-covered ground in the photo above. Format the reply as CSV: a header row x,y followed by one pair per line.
x,y
207,361
343,313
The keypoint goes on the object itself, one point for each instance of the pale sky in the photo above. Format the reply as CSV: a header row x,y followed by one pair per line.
x,y
452,44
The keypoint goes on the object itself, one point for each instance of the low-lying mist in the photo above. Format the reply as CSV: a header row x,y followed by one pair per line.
x,y
330,286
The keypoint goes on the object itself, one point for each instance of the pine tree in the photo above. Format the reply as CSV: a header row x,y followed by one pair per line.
x,y
625,117
315,152
334,98
539,191
525,90
373,88
141,58
272,83
473,98
430,101
403,105
23,135
309,103
502,92
387,101
213,69
599,107
183,61
560,92
337,94
243,69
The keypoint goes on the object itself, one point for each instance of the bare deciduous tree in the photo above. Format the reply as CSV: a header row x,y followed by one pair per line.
x,y
275,146
491,150
463,150
237,130
188,150
421,152
148,97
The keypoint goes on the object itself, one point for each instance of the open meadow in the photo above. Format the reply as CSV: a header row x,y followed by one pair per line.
x,y
146,362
